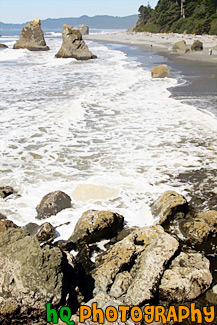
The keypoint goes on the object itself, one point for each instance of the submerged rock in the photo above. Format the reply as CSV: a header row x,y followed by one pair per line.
x,y
3,46
73,46
96,225
52,203
162,71
32,37
187,278
197,46
5,191
180,46
167,205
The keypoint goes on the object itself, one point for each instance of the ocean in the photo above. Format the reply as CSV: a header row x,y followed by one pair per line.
x,y
103,131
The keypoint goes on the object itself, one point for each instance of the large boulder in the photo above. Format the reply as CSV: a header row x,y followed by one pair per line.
x,y
168,204
5,191
180,46
52,203
73,45
32,37
32,276
197,46
187,278
84,30
121,257
148,269
3,46
95,225
160,71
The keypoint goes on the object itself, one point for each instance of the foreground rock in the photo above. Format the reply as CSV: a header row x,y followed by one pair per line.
x,y
95,225
84,30
161,71
167,205
73,46
6,224
32,276
136,263
3,46
5,191
52,203
180,46
32,37
197,46
187,278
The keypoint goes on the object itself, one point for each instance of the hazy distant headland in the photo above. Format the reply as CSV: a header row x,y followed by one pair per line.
x,y
102,22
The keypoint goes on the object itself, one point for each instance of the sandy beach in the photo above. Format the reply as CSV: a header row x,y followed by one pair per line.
x,y
163,43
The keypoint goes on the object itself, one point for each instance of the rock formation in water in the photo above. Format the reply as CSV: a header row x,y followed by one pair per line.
x,y
32,37
73,46
161,71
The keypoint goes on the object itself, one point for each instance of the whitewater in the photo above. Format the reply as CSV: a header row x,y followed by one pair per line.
x,y
103,131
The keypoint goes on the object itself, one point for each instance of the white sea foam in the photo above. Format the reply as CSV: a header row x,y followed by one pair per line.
x,y
104,122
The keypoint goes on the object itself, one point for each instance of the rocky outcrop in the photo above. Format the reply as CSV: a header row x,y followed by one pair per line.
x,y
161,71
3,46
73,45
6,224
5,191
187,278
180,46
197,46
32,276
52,203
84,30
32,37
95,225
167,205
144,254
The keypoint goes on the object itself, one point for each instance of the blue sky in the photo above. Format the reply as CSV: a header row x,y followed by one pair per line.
x,y
20,11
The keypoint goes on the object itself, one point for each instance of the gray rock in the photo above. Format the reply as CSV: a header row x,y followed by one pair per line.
x,y
121,284
96,225
187,278
2,216
180,47
32,276
162,71
3,46
52,203
167,205
32,37
197,46
148,269
5,191
73,46
84,30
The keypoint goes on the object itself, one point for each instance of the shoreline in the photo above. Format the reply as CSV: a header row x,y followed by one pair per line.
x,y
162,43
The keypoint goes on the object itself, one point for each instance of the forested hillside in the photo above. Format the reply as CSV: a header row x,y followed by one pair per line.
x,y
179,16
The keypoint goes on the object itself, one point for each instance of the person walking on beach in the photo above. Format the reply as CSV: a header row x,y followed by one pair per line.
x,y
210,51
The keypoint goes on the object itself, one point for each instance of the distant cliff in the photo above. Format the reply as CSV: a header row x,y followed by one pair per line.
x,y
101,22
179,16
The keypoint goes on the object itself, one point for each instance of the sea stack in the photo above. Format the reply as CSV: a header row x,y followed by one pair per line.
x,y
84,29
73,46
32,37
